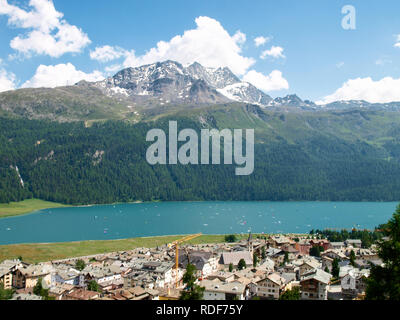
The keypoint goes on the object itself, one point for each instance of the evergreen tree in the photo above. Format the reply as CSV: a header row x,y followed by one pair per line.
x,y
242,264
335,268
352,258
255,260
286,258
5,294
230,238
263,254
315,252
93,286
192,290
384,281
40,291
80,265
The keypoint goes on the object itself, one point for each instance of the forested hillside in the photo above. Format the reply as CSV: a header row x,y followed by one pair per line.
x,y
300,156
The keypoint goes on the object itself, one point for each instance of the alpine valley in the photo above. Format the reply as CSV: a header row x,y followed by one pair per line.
x,y
86,143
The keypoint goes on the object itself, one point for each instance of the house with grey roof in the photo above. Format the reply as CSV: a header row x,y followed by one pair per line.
x,y
233,258
271,287
153,274
65,275
7,269
355,243
218,290
314,285
354,283
206,263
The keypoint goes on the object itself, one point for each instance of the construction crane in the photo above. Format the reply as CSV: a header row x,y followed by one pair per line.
x,y
176,245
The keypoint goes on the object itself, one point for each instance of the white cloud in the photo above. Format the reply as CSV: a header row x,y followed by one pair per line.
x,y
239,38
47,32
274,52
381,91
383,62
114,68
273,82
7,80
260,41
60,75
339,64
209,44
108,53
397,44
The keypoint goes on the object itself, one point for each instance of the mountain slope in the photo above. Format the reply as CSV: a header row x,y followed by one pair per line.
x,y
72,103
349,156
164,87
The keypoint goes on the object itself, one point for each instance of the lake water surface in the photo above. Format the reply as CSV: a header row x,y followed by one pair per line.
x,y
172,218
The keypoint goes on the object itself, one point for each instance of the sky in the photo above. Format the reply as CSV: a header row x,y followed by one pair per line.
x,y
320,50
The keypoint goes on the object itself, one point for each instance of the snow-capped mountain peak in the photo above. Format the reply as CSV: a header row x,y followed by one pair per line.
x,y
170,82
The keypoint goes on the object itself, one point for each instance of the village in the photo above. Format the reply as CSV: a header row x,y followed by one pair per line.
x,y
255,268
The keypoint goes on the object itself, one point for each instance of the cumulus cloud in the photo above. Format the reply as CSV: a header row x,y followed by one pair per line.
x,y
260,41
60,75
108,53
380,91
113,68
208,44
7,80
274,52
47,33
273,82
239,38
397,44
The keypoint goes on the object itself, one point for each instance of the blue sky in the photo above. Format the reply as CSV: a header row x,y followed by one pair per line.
x,y
308,52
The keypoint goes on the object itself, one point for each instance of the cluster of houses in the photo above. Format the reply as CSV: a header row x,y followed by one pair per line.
x,y
227,271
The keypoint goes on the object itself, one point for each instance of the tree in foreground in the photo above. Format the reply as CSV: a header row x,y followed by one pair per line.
x,y
286,258
255,260
192,291
230,267
93,286
242,264
384,281
353,258
263,253
315,252
230,238
293,294
5,294
80,265
40,291
335,268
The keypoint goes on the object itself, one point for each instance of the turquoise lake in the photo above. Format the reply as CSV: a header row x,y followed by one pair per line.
x,y
172,218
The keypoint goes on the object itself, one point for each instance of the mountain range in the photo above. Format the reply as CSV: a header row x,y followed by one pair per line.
x,y
171,83
160,87
343,151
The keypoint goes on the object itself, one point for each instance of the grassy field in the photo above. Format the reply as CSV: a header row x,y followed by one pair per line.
x,y
26,206
34,253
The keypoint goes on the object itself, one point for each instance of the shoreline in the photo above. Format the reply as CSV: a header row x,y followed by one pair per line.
x,y
28,206
52,205
55,205
42,252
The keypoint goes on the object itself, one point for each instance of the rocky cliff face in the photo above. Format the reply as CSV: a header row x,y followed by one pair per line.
x,y
171,83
